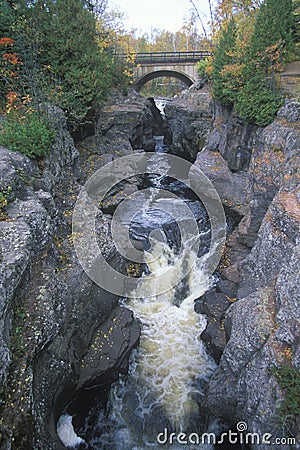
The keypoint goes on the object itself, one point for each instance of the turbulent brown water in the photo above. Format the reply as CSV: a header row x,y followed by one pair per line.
x,y
167,372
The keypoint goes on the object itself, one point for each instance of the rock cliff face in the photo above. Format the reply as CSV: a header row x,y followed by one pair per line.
x,y
31,214
129,119
53,319
188,117
261,327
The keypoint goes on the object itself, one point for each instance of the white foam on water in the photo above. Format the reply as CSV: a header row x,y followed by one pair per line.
x,y
66,433
171,355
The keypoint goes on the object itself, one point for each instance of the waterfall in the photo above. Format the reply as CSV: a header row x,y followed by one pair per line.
x,y
171,356
164,386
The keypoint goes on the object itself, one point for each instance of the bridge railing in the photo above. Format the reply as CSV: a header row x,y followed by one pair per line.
x,y
168,57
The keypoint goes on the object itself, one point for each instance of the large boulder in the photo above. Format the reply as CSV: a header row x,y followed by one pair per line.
x,y
230,186
231,137
126,124
189,118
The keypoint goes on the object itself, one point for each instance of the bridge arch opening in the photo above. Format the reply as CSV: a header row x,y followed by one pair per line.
x,y
162,73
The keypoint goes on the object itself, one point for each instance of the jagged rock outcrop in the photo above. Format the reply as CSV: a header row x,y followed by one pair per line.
x,y
231,137
189,117
28,322
262,327
132,119
32,217
274,166
230,186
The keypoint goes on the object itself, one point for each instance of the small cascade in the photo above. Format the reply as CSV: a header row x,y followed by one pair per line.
x,y
163,389
171,358
164,386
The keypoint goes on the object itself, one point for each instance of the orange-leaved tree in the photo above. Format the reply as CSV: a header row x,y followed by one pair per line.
x,y
9,74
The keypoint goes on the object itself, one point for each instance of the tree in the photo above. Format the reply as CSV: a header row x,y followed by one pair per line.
x,y
226,9
192,39
199,18
273,25
253,41
65,52
259,99
6,18
296,21
224,85
272,38
62,56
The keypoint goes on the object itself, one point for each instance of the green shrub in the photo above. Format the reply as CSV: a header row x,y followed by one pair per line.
x,y
257,104
201,67
288,379
3,200
29,134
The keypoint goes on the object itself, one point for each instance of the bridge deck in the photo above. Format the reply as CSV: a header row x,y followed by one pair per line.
x,y
169,57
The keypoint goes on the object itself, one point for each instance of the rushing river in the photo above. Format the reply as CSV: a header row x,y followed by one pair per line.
x,y
167,373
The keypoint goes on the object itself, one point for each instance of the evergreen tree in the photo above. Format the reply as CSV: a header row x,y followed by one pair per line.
x,y
6,18
69,55
248,59
273,26
272,38
296,22
259,100
224,86
64,60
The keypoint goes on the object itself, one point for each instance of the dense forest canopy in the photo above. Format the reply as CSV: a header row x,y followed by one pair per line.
x,y
64,52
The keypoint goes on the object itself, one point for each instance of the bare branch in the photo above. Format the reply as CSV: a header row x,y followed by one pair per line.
x,y
199,17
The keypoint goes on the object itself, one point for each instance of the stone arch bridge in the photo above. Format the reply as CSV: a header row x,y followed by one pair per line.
x,y
180,65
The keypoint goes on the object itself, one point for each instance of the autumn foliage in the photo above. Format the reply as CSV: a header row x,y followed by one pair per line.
x,y
252,44
9,71
53,52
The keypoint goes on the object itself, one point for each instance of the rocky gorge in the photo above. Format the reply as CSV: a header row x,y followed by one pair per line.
x,y
62,336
